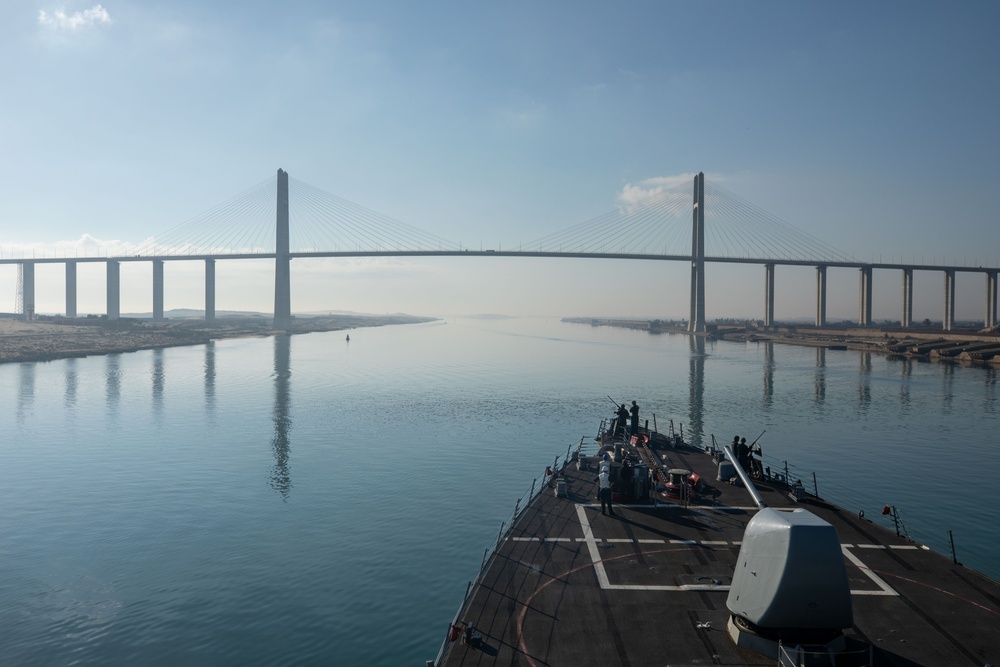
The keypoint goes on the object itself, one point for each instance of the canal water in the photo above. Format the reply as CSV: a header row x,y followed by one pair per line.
x,y
309,500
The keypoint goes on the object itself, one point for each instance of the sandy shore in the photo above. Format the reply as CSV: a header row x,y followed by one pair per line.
x,y
43,340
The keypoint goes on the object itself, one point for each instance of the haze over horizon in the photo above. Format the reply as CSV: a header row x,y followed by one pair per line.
x,y
868,126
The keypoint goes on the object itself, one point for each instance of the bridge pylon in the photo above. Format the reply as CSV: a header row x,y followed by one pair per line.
x,y
282,271
696,323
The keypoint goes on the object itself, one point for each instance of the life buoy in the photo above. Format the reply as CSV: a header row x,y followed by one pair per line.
x,y
886,510
453,632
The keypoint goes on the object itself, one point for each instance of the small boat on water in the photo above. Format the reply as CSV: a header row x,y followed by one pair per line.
x,y
703,563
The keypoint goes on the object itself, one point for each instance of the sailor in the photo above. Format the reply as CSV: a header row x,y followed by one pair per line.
x,y
622,419
604,492
743,455
605,463
635,419
625,478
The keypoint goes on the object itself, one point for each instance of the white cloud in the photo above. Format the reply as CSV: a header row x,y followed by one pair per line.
x,y
60,20
648,187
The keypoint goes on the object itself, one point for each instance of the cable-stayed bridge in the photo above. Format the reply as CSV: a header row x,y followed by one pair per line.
x,y
283,219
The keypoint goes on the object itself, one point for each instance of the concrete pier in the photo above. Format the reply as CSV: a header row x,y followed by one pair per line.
x,y
70,288
157,290
820,296
949,299
991,299
209,290
769,295
114,290
696,323
865,300
282,269
28,290
907,320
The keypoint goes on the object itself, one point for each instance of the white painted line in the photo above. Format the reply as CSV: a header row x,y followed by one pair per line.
x,y
871,546
525,539
903,546
557,539
683,542
595,557
886,589
620,540
651,541
846,546
682,589
715,543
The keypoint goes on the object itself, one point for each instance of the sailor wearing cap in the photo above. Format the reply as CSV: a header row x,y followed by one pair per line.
x,y
604,492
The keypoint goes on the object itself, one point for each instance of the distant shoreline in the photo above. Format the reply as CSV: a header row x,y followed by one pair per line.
x,y
971,348
49,339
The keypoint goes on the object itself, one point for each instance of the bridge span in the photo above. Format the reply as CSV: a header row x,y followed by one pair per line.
x,y
698,259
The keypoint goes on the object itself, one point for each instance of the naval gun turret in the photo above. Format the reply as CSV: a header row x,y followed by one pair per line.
x,y
790,586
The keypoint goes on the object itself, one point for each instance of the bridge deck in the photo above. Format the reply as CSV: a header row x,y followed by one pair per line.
x,y
570,586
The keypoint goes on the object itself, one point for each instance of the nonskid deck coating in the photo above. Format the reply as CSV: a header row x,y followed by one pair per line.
x,y
570,586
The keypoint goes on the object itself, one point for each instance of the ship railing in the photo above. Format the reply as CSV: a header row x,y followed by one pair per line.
x,y
868,506
804,656
521,504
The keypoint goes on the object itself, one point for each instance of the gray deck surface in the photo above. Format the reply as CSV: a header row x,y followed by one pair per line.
x,y
572,587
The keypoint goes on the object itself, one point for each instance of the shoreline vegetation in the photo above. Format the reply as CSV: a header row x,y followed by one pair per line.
x,y
50,338
966,346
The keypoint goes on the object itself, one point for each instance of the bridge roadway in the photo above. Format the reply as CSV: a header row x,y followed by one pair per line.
x,y
865,268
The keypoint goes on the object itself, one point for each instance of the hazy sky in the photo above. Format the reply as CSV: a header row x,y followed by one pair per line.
x,y
870,125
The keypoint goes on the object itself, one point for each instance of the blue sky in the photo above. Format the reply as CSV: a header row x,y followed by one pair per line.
x,y
871,126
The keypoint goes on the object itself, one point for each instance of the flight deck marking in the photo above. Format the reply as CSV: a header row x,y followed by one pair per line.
x,y
605,583
588,537
885,588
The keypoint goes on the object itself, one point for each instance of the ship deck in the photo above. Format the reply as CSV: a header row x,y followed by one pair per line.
x,y
570,586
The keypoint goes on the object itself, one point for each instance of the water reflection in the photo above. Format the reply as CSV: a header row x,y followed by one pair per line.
x,y
948,386
26,391
768,375
112,383
864,380
72,382
210,380
158,381
696,387
989,393
904,386
819,378
280,478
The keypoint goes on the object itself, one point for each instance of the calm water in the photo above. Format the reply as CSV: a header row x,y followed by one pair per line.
x,y
312,501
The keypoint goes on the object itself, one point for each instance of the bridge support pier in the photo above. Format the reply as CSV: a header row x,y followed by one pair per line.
x,y
114,290
157,290
769,295
991,299
907,320
949,300
209,290
865,300
696,323
821,296
70,288
282,272
28,290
